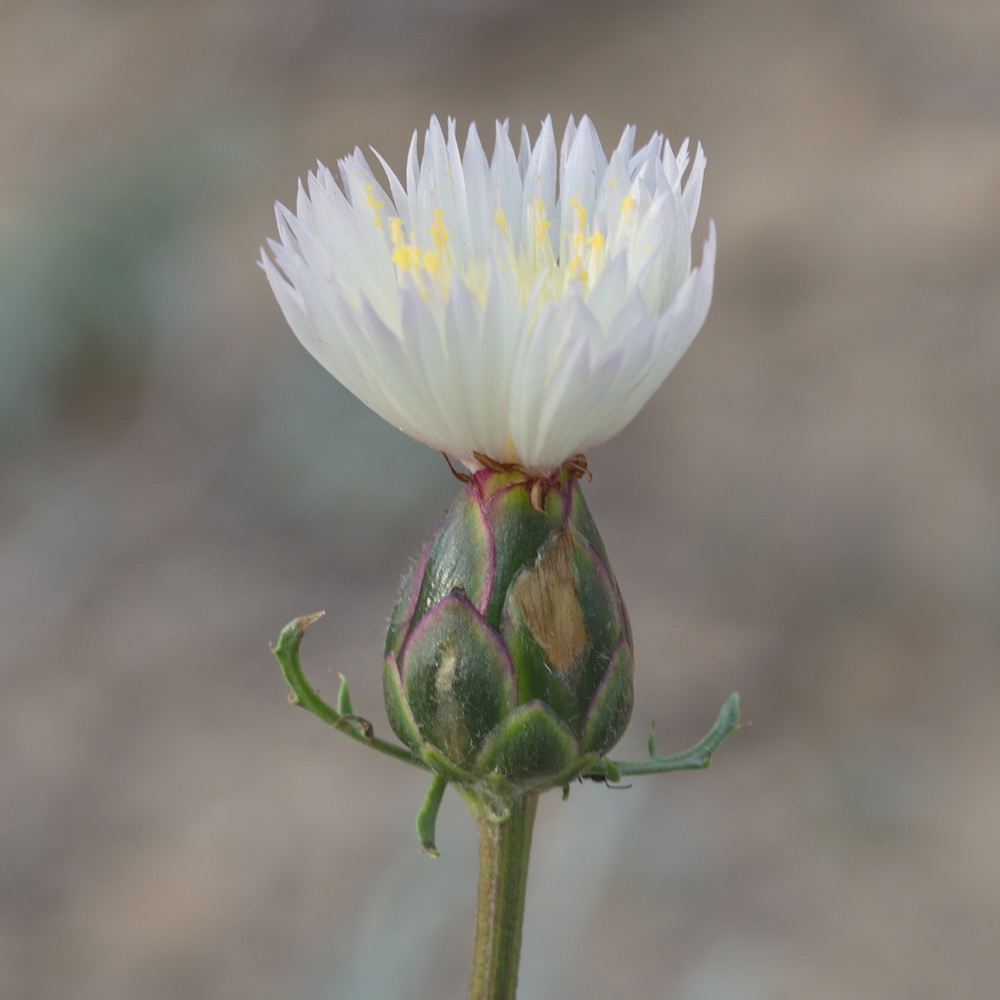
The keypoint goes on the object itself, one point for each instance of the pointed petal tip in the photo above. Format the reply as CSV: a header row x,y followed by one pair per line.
x,y
709,247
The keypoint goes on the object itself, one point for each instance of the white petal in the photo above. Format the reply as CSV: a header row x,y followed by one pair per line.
x,y
692,187
540,182
506,178
608,295
476,170
523,306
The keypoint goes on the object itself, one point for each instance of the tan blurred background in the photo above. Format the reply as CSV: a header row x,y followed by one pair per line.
x,y
809,512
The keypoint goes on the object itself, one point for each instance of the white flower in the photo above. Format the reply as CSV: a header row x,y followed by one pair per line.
x,y
523,307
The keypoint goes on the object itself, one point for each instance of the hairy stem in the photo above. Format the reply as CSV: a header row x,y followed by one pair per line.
x,y
504,848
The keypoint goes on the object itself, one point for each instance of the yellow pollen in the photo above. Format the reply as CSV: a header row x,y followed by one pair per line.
x,y
420,264
439,232
407,257
374,203
541,223
535,263
628,204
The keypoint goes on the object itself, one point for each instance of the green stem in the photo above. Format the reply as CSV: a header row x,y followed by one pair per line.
x,y
504,848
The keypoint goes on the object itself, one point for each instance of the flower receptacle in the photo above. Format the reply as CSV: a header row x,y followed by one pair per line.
x,y
509,656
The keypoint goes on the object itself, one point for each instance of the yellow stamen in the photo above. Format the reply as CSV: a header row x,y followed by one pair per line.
x,y
374,203
439,232
540,223
407,257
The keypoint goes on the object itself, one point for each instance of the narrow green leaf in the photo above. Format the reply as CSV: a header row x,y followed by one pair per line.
x,y
286,651
427,816
344,698
694,758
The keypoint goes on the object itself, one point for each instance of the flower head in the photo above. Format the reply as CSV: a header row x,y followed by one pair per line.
x,y
522,307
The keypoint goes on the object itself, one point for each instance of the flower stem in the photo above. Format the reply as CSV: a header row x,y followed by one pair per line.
x,y
504,848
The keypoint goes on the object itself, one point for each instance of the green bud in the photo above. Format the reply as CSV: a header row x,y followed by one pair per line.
x,y
508,661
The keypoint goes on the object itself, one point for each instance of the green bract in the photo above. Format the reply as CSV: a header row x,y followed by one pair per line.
x,y
508,663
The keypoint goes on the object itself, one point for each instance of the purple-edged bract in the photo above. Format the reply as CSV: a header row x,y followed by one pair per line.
x,y
509,654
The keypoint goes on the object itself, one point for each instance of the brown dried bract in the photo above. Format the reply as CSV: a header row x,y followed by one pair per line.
x,y
462,477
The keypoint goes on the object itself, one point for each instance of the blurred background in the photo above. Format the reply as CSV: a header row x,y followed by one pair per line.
x,y
808,512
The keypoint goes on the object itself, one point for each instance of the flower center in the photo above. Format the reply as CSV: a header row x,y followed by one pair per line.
x,y
541,270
